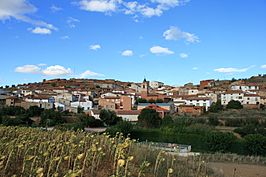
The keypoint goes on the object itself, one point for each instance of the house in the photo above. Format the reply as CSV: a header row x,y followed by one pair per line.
x,y
247,99
205,84
237,95
199,101
191,110
2,100
251,101
136,87
85,104
128,115
167,106
12,100
245,87
115,102
156,84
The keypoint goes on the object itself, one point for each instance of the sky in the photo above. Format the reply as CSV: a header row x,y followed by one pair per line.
x,y
173,41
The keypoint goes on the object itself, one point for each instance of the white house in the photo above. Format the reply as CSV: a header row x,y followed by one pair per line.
x,y
85,104
245,87
242,97
199,101
130,115
236,95
251,99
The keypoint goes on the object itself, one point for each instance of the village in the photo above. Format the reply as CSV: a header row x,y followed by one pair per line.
x,y
127,99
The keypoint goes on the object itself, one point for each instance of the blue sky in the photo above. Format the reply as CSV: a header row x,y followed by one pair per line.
x,y
174,41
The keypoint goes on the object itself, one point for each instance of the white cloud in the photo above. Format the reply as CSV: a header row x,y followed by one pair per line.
x,y
160,50
263,66
149,11
127,53
55,8
183,55
95,47
19,10
56,70
72,22
135,8
99,5
39,30
89,73
33,69
232,70
174,33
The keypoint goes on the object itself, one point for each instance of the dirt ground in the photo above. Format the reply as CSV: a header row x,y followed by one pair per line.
x,y
241,170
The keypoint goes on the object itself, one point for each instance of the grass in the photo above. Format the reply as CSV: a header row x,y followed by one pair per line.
x,y
33,152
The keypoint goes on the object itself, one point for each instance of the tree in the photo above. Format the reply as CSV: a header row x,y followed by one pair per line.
x,y
218,141
34,111
216,107
123,127
90,121
255,144
234,105
50,118
213,120
149,118
109,117
141,100
80,109
167,121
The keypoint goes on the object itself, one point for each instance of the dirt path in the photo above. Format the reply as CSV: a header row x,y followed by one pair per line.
x,y
241,170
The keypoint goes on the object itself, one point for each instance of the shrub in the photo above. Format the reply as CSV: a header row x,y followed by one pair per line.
x,y
216,107
250,129
123,127
218,141
149,118
255,144
167,121
50,118
213,120
234,105
109,117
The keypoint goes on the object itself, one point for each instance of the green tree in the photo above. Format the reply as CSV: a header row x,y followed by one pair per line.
x,y
124,127
149,118
109,117
51,118
216,107
167,121
34,111
213,120
219,142
141,100
90,121
255,144
234,105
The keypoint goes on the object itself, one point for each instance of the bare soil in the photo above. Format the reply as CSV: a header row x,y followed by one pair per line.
x,y
238,170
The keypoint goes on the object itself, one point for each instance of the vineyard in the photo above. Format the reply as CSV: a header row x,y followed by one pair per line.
x,y
34,152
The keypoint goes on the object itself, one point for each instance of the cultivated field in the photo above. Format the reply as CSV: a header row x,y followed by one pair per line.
x,y
34,152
